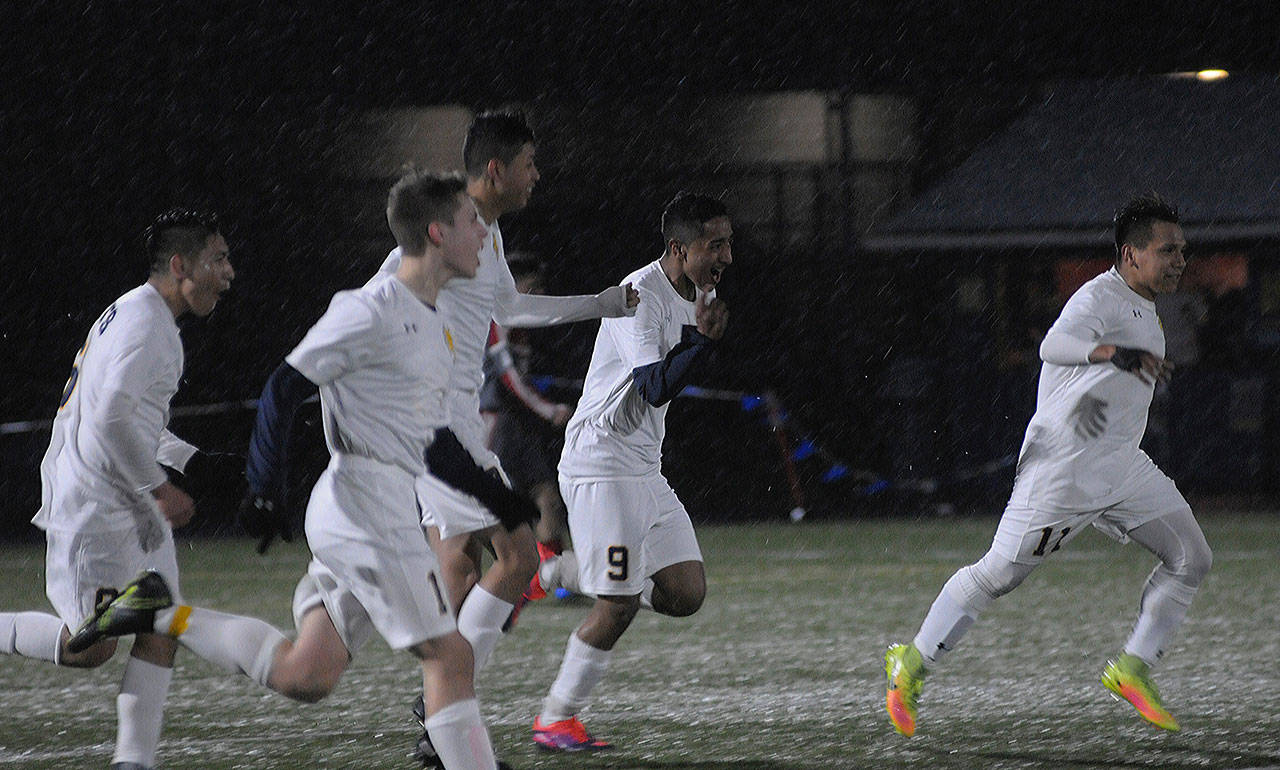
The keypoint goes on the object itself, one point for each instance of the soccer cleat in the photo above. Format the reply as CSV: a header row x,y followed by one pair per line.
x,y
536,591
905,670
565,735
1129,677
133,611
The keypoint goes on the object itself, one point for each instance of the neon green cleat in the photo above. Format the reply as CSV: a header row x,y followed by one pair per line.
x,y
905,669
1129,677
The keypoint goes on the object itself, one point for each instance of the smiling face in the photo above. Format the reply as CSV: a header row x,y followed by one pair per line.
x,y
1156,268
707,256
514,181
206,275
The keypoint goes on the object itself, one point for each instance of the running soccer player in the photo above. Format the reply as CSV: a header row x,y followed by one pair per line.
x,y
499,157
107,508
633,538
1080,464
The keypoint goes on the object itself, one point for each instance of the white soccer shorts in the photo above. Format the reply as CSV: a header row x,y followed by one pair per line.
x,y
624,530
371,566
1027,536
77,564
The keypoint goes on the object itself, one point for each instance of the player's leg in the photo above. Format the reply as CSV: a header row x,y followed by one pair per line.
x,y
452,712
553,527
1185,558
1023,540
609,521
677,583
140,702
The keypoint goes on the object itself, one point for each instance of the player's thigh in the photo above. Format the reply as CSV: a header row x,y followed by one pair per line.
x,y
1151,495
79,564
609,521
1029,536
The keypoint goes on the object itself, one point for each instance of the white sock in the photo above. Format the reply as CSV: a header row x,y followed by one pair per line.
x,y
31,634
140,711
944,626
582,669
560,572
1165,601
480,622
234,642
459,737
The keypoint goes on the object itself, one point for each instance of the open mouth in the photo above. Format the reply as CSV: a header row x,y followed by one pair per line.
x,y
716,272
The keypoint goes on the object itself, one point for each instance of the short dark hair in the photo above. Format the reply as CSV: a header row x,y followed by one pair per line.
x,y
418,199
1133,220
685,217
495,134
177,231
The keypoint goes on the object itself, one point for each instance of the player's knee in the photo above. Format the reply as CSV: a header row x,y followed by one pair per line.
x,y
1196,563
994,576
680,597
682,605
517,554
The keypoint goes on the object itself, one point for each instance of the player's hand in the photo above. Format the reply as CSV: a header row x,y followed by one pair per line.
x,y
1146,366
712,315
264,519
176,506
561,414
618,301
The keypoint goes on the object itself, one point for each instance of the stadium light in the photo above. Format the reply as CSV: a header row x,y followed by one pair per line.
x,y
1207,75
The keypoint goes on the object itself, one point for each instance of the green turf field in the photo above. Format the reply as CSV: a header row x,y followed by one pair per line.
x,y
780,669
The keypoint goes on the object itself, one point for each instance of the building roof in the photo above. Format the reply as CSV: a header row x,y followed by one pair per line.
x,y
1055,175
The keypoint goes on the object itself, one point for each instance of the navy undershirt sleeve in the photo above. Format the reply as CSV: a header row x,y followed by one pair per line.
x,y
661,381
267,467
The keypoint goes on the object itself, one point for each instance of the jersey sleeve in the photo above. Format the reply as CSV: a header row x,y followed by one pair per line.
x,y
173,451
1079,329
130,441
339,342
639,337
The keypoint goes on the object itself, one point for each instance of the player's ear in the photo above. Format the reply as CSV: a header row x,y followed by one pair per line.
x,y
677,248
178,266
493,170
434,235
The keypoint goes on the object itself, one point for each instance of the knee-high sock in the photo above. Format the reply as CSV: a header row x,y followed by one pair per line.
x,y
140,711
458,735
234,642
31,635
560,572
480,621
582,669
1165,601
945,625
964,597
1185,559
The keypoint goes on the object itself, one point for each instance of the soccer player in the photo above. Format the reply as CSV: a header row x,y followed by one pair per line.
x,y
633,538
107,507
524,431
499,157
1080,464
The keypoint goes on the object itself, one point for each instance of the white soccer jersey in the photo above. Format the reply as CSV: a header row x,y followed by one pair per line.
x,y
614,432
101,463
468,304
382,359
1083,439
